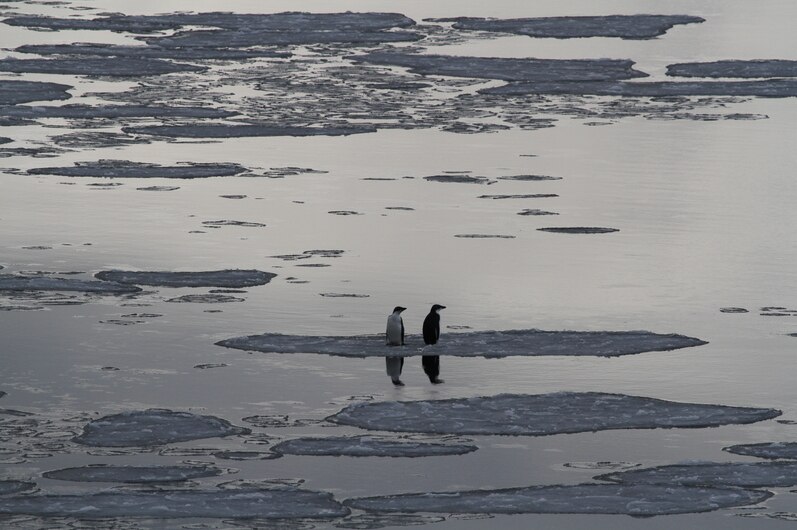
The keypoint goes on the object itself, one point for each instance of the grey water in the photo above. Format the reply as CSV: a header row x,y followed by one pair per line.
x,y
674,213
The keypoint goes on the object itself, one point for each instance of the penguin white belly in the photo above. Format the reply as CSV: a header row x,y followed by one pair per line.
x,y
394,326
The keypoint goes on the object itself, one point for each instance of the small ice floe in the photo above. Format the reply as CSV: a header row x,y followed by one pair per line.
x,y
484,236
128,169
737,474
12,282
115,50
208,366
307,254
228,504
344,295
637,500
507,69
205,299
733,310
735,68
532,178
90,112
277,420
154,427
233,278
159,188
245,39
4,140
620,26
530,342
245,130
520,196
132,474
578,229
8,487
96,66
228,222
387,520
530,415
344,212
772,450
368,446
536,211
245,455
458,179
233,196
601,466
13,91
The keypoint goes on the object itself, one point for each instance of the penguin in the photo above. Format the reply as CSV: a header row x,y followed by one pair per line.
x,y
431,334
394,336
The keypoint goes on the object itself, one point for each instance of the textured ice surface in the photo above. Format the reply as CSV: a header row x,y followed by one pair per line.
x,y
222,278
134,474
96,66
110,50
768,88
578,229
583,498
773,450
154,427
542,414
127,169
11,282
529,342
112,111
8,487
236,131
742,474
622,26
13,91
368,446
233,504
508,69
735,68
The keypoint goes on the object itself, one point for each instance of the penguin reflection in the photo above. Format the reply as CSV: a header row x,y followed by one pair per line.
x,y
394,336
431,334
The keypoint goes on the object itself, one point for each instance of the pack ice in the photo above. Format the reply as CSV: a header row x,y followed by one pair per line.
x,y
12,282
368,446
134,474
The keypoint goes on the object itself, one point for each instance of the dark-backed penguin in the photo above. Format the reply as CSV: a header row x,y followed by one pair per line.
x,y
394,336
431,334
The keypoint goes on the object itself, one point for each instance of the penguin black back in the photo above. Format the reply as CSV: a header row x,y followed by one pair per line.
x,y
431,325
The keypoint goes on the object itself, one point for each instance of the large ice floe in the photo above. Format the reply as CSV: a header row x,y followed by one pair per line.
x,y
735,68
740,474
245,130
154,427
640,500
97,66
111,50
542,414
528,342
773,450
90,112
13,91
223,278
622,26
9,487
133,474
763,88
287,503
368,446
507,69
127,169
13,282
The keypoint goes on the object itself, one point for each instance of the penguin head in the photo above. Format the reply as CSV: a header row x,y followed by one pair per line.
x,y
437,307
398,309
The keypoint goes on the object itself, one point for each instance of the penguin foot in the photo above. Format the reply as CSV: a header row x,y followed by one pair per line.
x,y
397,382
437,381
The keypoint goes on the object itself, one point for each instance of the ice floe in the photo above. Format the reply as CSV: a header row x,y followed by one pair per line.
x,y
205,299
542,414
733,310
622,26
12,282
154,427
8,487
247,38
460,179
484,236
368,446
520,196
739,474
132,474
534,178
530,342
507,69
221,278
639,500
230,222
773,450
96,66
230,503
735,68
110,50
578,229
13,91
535,211
245,455
244,130
763,88
127,169
111,111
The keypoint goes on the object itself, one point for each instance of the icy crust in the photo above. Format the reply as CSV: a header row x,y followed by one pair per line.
x,y
13,91
133,474
775,88
621,26
12,282
239,131
507,69
8,487
529,342
112,111
111,50
232,504
740,474
223,278
95,66
368,446
735,68
154,427
542,414
773,450
578,499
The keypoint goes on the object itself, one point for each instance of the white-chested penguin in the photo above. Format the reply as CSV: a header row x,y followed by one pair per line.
x,y
394,336
431,334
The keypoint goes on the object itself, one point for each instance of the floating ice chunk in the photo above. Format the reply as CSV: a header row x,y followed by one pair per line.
x,y
773,450
245,455
578,229
735,68
775,88
344,295
247,38
113,111
530,342
231,504
742,474
520,196
542,414
205,299
622,26
530,177
368,446
229,222
95,66
13,91
244,130
507,69
641,500
133,474
221,278
460,179
11,282
111,50
4,140
535,211
484,236
8,487
127,169
154,427
159,188
733,310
